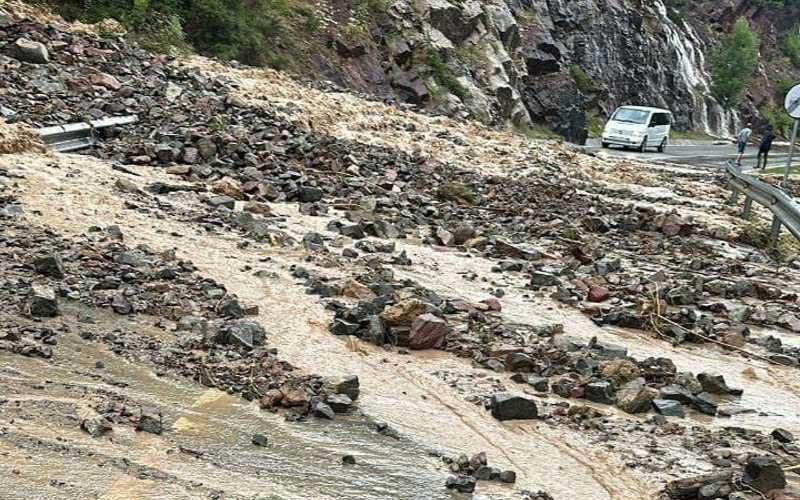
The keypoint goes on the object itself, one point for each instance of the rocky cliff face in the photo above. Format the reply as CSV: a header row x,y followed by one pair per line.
x,y
562,63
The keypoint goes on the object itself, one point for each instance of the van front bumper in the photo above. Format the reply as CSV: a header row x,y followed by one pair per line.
x,y
619,140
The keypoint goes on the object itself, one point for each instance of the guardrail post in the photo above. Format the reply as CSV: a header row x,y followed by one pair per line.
x,y
734,199
776,229
748,203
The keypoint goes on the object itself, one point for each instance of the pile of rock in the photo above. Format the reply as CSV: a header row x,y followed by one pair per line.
x,y
216,340
470,470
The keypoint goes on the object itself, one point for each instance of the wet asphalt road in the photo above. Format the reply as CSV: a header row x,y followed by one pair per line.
x,y
700,154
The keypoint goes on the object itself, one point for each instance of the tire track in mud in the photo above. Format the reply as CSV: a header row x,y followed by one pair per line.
x,y
608,483
612,491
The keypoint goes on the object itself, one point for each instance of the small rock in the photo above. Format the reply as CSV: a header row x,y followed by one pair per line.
x,y
97,426
42,301
462,484
105,80
222,201
668,408
715,384
782,435
340,403
404,312
600,392
508,476
259,440
598,294
322,410
427,332
705,403
150,421
506,406
348,460
347,385
49,265
764,474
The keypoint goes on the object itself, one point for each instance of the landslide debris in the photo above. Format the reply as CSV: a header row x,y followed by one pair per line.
x,y
628,257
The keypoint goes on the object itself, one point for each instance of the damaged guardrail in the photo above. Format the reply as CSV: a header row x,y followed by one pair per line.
x,y
785,210
75,136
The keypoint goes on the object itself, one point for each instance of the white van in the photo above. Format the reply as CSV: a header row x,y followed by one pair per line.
x,y
638,127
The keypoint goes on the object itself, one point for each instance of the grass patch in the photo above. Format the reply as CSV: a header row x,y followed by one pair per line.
x,y
595,124
583,81
793,170
537,132
758,234
457,192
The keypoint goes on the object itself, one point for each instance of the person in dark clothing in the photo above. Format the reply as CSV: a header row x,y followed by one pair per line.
x,y
766,145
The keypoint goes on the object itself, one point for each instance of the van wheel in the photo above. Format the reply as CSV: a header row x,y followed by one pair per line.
x,y
604,144
643,145
662,146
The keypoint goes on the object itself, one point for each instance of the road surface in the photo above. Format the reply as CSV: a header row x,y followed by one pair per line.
x,y
701,154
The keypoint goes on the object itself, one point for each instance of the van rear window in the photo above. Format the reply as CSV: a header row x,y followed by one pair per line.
x,y
629,115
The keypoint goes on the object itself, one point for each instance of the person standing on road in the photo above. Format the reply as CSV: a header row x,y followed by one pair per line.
x,y
766,145
741,142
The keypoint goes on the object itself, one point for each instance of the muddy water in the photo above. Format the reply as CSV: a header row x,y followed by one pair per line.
x,y
398,389
405,391
302,460
773,390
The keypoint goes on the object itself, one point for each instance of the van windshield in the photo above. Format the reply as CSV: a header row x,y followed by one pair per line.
x,y
629,115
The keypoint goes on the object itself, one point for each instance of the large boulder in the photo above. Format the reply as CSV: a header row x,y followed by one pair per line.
x,y
427,332
456,21
29,51
506,406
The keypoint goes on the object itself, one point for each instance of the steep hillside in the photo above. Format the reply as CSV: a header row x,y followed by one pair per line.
x,y
562,64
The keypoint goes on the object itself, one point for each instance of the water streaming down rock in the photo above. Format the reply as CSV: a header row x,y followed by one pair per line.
x,y
708,115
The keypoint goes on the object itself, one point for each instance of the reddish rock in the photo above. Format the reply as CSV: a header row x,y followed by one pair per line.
x,y
671,229
404,312
228,187
494,304
105,80
598,294
271,398
293,397
427,332
179,169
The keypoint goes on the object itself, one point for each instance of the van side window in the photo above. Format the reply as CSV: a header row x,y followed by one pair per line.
x,y
659,119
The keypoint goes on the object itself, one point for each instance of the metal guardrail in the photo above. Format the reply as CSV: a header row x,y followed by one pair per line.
x,y
785,210
75,136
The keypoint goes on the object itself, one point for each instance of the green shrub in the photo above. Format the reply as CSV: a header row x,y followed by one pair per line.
x,y
246,30
778,118
584,83
595,123
733,63
791,47
444,74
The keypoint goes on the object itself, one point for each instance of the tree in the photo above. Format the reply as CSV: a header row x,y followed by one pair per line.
x,y
733,63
